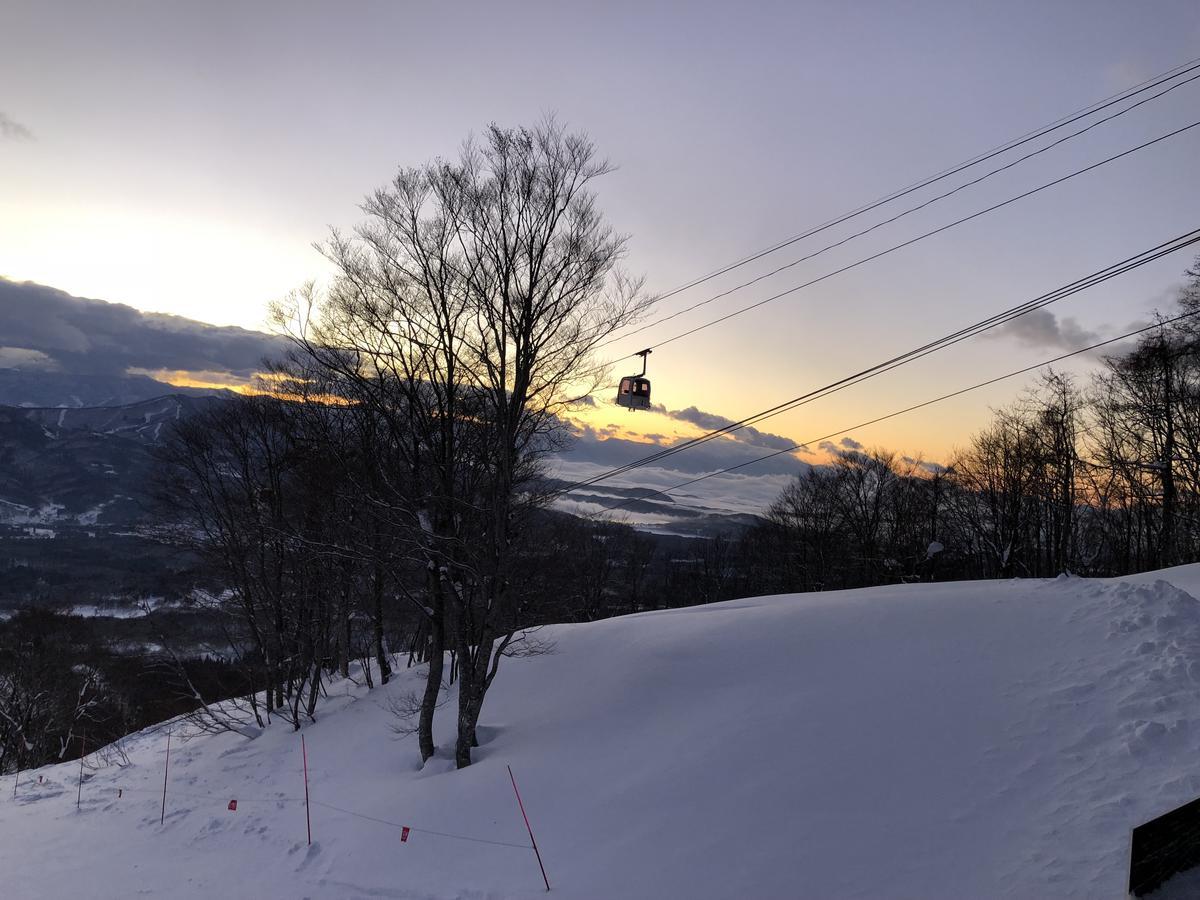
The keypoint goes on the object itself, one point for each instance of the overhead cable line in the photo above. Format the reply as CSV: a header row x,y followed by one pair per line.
x,y
1119,268
892,249
888,250
932,347
899,215
905,411
1151,83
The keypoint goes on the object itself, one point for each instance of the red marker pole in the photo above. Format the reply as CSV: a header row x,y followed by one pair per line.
x,y
532,839
166,766
307,816
82,754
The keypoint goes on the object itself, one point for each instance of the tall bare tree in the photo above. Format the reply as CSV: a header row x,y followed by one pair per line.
x,y
464,319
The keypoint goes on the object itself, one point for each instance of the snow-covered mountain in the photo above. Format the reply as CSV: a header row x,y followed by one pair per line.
x,y
83,466
970,740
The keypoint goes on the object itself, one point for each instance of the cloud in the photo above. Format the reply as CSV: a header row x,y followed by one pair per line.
x,y
1125,72
56,330
1041,328
13,131
744,491
706,420
712,422
596,449
601,447
846,448
932,468
26,360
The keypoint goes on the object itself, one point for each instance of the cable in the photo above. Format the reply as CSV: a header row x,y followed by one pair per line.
x,y
154,792
928,234
1007,315
899,215
174,792
912,355
1151,83
445,834
901,412
907,243
1098,277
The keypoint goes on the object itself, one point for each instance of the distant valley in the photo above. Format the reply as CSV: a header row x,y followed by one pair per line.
x,y
79,524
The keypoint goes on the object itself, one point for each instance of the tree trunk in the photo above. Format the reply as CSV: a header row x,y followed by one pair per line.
x,y
470,704
381,655
344,642
468,717
437,658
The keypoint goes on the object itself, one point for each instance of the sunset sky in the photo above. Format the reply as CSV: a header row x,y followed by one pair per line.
x,y
181,158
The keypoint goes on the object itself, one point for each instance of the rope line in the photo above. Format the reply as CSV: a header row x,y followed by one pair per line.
x,y
234,795
445,834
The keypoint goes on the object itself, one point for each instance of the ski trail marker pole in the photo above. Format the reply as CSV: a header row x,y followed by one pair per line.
x,y
307,815
166,766
528,827
82,754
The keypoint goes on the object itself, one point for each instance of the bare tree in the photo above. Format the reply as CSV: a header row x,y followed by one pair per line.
x,y
267,505
463,319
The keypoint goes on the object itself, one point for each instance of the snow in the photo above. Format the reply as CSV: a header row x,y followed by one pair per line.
x,y
116,608
92,516
17,514
982,740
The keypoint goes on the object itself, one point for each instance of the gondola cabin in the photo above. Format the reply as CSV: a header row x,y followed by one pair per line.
x,y
634,392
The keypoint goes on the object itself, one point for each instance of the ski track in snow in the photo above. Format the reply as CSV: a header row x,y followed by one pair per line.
x,y
972,740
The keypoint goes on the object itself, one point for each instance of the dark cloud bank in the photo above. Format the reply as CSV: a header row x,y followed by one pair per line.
x,y
47,330
44,328
712,422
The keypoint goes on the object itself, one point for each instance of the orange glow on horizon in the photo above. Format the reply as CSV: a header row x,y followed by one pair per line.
x,y
204,380
607,420
258,386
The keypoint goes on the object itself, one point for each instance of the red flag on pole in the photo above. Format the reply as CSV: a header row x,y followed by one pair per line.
x,y
403,833
233,806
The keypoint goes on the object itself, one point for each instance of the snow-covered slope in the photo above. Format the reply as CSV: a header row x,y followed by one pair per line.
x,y
948,741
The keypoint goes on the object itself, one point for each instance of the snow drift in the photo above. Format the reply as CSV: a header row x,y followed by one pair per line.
x,y
978,740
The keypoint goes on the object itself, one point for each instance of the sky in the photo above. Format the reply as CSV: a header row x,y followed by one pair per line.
x,y
181,159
